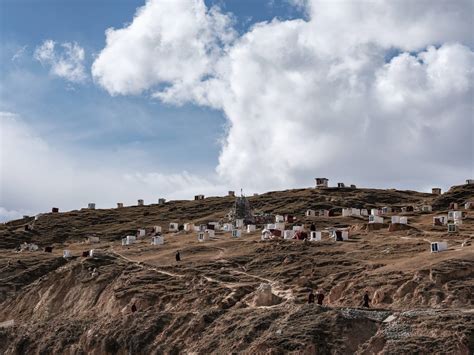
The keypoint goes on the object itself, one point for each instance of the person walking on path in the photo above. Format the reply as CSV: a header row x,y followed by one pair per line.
x,y
366,299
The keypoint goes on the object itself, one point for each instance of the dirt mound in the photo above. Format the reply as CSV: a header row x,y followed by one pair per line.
x,y
264,296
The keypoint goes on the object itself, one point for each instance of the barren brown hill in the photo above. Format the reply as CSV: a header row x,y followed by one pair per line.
x,y
241,295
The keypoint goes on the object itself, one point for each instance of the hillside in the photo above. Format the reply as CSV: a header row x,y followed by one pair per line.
x,y
232,295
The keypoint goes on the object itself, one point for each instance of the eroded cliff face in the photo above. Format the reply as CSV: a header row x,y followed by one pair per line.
x,y
239,294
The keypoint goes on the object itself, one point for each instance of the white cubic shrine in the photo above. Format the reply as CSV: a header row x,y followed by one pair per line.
x,y
288,234
236,233
315,236
340,234
436,247
251,228
375,219
239,223
157,240
188,227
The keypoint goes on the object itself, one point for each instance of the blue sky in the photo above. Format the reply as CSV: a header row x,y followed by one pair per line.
x,y
261,95
85,116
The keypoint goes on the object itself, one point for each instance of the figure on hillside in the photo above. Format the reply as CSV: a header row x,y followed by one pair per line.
x,y
178,256
366,299
320,297
310,297
312,228
134,307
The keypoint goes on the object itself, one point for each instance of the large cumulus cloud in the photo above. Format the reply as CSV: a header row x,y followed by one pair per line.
x,y
373,92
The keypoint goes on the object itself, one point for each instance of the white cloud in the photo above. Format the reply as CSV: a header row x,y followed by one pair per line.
x,y
37,175
19,53
316,97
168,42
65,61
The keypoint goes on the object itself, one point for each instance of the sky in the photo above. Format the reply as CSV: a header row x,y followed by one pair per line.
x,y
112,101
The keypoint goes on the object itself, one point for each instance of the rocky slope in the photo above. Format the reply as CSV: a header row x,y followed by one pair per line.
x,y
232,295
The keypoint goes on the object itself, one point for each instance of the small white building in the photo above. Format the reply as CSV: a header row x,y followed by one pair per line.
x,y
228,227
141,232
403,220
215,224
91,206
375,212
339,234
315,236
173,227
426,208
375,219
157,240
321,182
130,239
340,185
198,197
265,234
364,212
440,220
271,226
239,223
141,203
188,227
436,191
297,228
279,218
470,182
157,229
436,247
67,254
310,213
251,228
469,205
452,228
202,236
93,239
395,219
288,234
161,201
119,204
206,235
454,215
236,233
348,212
91,253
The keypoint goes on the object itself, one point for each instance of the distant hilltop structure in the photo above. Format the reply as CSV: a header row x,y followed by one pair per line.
x,y
322,183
